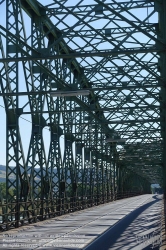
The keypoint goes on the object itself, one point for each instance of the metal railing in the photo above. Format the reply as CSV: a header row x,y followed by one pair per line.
x,y
16,214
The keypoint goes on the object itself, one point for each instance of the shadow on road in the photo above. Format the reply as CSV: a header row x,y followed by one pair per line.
x,y
132,232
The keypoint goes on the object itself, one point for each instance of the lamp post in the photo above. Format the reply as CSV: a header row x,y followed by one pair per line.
x,y
68,160
115,140
70,93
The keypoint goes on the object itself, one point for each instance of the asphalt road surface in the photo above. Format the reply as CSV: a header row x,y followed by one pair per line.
x,y
132,223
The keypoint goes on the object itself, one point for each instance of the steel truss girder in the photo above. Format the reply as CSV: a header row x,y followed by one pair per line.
x,y
124,103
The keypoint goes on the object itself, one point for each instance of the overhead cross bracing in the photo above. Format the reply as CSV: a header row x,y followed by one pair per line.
x,y
115,50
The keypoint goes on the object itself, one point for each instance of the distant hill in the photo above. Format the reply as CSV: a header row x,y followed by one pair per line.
x,y
2,173
2,167
155,186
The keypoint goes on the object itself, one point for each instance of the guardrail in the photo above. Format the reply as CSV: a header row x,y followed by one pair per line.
x,y
16,214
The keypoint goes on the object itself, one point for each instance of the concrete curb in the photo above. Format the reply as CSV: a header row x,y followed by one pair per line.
x,y
163,226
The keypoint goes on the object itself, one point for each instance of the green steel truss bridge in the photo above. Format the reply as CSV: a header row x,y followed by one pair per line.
x,y
89,77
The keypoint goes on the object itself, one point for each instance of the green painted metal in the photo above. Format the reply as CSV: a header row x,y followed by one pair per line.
x,y
106,47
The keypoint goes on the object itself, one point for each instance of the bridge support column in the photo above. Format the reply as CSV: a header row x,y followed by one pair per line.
x,y
162,64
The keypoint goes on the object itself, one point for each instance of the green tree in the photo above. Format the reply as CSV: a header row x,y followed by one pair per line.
x,y
3,190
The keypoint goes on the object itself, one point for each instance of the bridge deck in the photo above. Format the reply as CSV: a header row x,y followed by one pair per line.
x,y
132,223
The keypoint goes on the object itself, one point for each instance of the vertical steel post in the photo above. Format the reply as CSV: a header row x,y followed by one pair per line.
x,y
161,8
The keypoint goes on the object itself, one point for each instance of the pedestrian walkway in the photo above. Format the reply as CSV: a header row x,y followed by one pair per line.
x,y
94,228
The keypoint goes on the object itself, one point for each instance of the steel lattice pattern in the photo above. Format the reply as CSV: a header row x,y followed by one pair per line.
x,y
108,141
